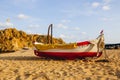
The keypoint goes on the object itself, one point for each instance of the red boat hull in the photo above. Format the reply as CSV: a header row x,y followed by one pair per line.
x,y
67,55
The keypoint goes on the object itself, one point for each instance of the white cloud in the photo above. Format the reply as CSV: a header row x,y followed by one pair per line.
x,y
106,1
6,25
1,24
106,19
67,37
22,16
106,7
95,4
29,31
83,33
62,26
62,36
74,37
65,21
76,28
34,26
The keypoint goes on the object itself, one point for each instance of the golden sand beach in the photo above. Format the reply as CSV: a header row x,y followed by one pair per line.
x,y
24,65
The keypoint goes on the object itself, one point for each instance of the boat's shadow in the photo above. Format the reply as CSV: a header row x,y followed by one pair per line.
x,y
28,58
34,58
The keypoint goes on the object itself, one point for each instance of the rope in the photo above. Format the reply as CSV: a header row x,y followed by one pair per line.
x,y
102,45
106,56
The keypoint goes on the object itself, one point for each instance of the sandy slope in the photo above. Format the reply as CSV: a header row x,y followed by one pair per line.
x,y
24,65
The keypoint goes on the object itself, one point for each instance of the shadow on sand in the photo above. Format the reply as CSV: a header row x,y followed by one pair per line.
x,y
28,58
102,60
33,58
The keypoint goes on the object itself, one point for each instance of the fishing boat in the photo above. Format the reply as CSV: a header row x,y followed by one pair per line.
x,y
85,49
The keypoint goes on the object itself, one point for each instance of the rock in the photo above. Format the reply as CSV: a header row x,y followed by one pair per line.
x,y
12,39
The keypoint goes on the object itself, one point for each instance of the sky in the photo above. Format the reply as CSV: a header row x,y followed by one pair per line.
x,y
73,20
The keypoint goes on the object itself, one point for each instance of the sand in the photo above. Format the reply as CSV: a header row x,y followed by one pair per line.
x,y
24,65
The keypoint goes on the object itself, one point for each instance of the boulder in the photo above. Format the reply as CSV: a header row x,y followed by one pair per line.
x,y
12,39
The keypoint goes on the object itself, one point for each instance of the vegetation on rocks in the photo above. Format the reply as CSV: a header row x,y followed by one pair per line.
x,y
12,39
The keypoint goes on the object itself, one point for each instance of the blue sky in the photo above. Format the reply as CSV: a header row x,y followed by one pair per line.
x,y
73,20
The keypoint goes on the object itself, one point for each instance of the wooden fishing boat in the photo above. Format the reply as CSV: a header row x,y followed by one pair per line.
x,y
92,48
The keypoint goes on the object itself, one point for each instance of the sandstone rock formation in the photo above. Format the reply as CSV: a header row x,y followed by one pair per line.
x,y
11,39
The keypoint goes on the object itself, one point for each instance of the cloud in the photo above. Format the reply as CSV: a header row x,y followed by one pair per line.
x,y
65,21
29,31
67,37
74,37
6,25
62,26
106,19
83,33
106,8
95,4
62,36
107,1
22,16
76,28
104,5
34,26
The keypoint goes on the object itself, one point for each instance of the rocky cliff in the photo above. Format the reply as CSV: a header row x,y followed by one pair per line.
x,y
12,39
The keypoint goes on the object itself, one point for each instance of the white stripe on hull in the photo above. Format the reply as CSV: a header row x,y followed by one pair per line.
x,y
87,48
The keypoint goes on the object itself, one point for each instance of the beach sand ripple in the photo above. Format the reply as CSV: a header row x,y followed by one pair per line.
x,y
24,65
